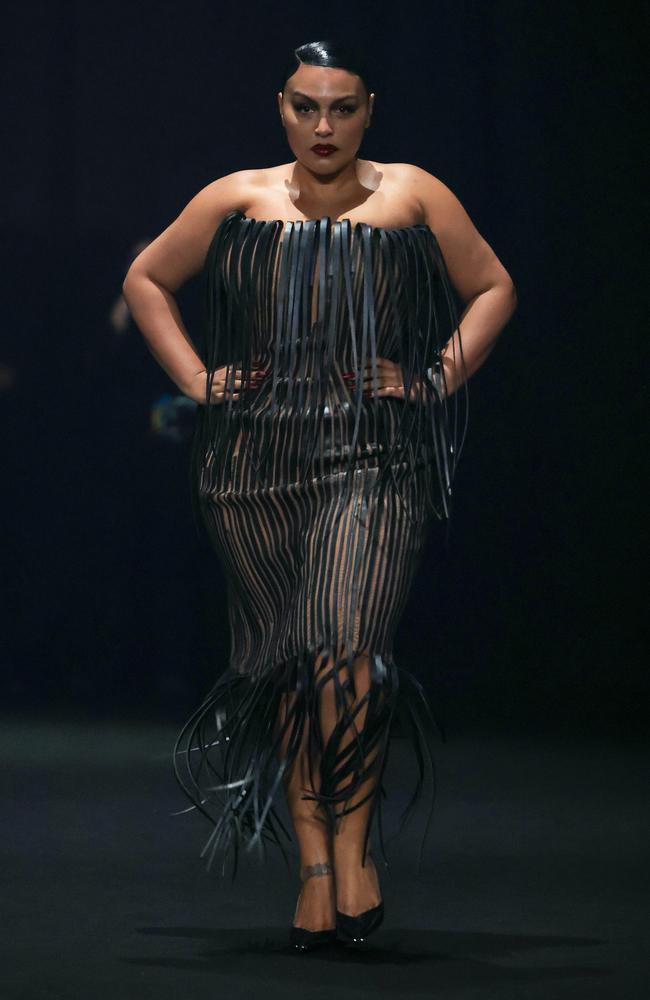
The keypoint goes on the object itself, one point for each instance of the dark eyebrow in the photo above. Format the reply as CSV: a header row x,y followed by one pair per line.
x,y
299,93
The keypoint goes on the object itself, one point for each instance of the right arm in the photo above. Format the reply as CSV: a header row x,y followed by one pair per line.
x,y
156,274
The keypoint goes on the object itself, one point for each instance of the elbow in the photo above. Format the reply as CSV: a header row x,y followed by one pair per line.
x,y
131,276
514,298
125,282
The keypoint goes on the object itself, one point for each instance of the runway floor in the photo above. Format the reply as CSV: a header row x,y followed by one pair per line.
x,y
534,885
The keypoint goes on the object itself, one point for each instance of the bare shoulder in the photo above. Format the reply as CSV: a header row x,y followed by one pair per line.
x,y
179,251
264,190
237,191
225,194
434,199
418,195
472,264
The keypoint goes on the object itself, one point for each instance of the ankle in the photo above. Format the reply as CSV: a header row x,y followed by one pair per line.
x,y
315,869
346,859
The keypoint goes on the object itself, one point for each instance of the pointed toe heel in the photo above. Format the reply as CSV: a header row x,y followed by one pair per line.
x,y
356,930
300,938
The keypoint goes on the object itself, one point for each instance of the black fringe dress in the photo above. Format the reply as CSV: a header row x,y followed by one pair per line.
x,y
317,501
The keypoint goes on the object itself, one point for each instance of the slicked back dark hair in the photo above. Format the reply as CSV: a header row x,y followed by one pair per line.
x,y
330,52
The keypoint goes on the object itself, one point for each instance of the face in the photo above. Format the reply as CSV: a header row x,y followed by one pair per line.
x,y
321,105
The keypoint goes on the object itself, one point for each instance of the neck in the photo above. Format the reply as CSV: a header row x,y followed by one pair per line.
x,y
336,186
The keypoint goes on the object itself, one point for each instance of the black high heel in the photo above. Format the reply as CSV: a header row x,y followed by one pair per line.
x,y
356,930
299,937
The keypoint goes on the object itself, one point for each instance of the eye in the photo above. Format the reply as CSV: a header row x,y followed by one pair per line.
x,y
346,109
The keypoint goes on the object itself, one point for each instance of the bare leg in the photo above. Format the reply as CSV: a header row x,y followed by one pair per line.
x,y
357,886
317,901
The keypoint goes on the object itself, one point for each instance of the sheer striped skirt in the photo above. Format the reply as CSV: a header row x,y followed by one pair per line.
x,y
319,566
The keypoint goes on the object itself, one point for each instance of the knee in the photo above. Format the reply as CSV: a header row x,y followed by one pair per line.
x,y
352,676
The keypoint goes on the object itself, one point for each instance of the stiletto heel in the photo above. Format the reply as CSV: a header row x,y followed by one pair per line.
x,y
356,930
299,937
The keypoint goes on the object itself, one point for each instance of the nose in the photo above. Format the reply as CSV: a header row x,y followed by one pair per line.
x,y
324,128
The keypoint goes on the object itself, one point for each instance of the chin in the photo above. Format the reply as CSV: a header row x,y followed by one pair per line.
x,y
340,157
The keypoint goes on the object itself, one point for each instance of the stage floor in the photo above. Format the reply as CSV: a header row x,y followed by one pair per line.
x,y
534,884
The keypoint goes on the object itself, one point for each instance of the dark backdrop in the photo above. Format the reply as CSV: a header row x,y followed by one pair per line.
x,y
117,115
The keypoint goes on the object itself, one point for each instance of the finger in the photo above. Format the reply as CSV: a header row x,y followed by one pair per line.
x,y
386,376
375,391
390,390
386,391
220,385
382,384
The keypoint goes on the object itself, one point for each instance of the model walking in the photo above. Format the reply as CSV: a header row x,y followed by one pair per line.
x,y
333,409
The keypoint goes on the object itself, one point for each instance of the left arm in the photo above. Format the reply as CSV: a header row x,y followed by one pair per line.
x,y
476,273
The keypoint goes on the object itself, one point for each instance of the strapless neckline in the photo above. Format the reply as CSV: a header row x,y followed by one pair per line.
x,y
337,222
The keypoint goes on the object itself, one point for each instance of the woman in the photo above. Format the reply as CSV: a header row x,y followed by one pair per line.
x,y
328,431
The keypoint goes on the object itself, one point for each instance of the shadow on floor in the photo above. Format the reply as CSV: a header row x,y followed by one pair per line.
x,y
423,957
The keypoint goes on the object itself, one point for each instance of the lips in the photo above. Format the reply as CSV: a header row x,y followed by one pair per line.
x,y
324,149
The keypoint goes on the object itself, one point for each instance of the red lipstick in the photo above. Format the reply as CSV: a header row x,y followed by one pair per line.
x,y
324,149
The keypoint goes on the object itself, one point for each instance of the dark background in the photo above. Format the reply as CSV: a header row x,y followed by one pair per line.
x,y
530,617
